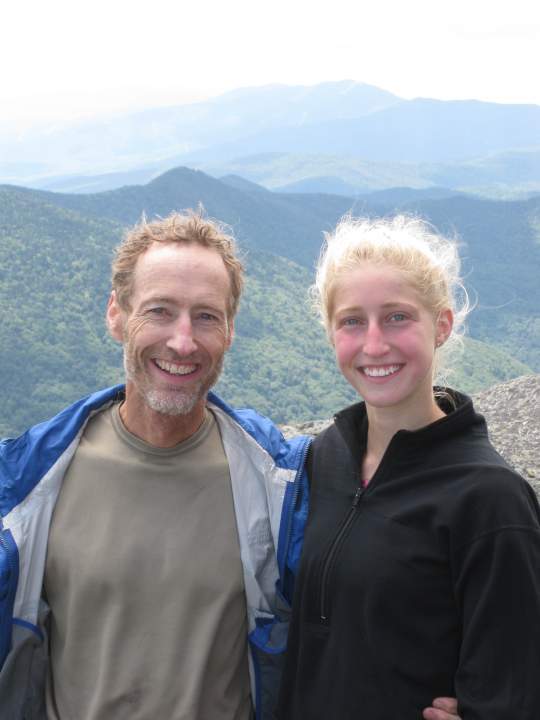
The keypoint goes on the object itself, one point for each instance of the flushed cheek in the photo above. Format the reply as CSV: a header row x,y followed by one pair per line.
x,y
419,347
346,349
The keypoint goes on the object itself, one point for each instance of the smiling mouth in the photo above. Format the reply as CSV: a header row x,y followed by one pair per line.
x,y
377,371
175,368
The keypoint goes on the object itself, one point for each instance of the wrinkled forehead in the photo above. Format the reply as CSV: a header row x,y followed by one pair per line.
x,y
178,269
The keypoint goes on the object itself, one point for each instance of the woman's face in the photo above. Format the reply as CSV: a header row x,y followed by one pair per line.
x,y
384,337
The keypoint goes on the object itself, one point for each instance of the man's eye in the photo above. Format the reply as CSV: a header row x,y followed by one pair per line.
x,y
157,311
208,317
350,322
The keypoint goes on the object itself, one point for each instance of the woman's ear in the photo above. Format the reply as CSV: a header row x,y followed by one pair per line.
x,y
444,325
115,318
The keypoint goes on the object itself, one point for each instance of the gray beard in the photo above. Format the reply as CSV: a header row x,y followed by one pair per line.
x,y
173,402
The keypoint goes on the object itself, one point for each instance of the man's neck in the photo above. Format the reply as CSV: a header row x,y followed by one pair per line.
x,y
158,429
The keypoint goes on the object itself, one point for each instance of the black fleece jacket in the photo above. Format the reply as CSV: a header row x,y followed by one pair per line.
x,y
426,583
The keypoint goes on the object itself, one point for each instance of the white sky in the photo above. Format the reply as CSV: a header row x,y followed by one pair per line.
x,y
67,58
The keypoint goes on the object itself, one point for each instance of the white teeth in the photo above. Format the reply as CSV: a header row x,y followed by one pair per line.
x,y
175,369
380,371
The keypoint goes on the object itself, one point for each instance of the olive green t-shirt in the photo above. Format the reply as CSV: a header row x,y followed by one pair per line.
x,y
144,581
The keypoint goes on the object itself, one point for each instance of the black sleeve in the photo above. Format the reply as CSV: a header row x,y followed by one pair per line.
x,y
497,585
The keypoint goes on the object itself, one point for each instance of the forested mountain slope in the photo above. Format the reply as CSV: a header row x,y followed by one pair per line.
x,y
55,253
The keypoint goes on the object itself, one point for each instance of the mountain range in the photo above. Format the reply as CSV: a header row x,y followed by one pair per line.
x,y
55,252
342,137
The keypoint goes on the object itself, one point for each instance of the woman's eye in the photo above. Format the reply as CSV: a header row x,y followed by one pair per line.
x,y
398,317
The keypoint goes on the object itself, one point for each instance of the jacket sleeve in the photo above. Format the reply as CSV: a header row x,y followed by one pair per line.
x,y
497,585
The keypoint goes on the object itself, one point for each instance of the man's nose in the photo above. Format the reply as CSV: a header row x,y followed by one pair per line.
x,y
182,339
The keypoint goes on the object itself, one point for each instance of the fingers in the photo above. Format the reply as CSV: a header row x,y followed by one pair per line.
x,y
442,709
436,714
446,703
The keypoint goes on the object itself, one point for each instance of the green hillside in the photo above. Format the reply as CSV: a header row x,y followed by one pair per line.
x,y
54,285
282,224
55,253
482,366
53,288
501,259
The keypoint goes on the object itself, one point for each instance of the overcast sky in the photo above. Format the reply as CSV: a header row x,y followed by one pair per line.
x,y
67,58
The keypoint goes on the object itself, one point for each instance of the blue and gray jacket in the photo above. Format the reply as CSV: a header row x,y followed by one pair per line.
x,y
269,487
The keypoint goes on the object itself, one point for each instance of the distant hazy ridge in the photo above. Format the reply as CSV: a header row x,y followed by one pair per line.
x,y
341,137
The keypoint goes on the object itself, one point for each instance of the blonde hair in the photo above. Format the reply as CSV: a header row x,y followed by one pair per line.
x,y
429,261
190,228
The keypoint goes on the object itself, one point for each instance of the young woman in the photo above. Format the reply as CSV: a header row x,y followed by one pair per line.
x,y
420,573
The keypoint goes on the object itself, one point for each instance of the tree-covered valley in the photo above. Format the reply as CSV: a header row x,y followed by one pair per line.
x,y
55,252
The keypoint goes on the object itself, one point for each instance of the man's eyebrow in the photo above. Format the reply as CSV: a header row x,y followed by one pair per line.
x,y
157,299
164,299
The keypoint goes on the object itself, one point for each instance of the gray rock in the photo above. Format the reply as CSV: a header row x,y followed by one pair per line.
x,y
512,412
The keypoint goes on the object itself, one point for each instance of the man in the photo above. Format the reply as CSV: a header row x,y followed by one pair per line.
x,y
147,530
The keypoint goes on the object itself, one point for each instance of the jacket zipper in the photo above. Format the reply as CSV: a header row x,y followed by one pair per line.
x,y
333,551
9,553
292,505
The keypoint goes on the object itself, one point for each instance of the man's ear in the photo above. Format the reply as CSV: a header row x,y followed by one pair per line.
x,y
230,337
115,318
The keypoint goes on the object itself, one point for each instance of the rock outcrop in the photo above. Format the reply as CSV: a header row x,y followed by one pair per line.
x,y
512,411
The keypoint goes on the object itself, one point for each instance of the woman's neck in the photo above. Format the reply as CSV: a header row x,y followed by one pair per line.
x,y
384,423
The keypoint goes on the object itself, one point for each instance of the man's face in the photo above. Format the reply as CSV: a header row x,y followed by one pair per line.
x,y
176,333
